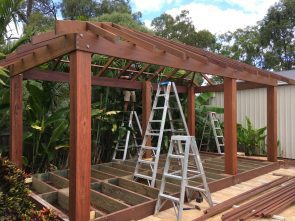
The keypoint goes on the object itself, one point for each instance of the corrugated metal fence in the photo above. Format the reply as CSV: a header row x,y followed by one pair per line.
x,y
252,103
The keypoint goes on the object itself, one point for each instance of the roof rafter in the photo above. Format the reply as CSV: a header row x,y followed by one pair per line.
x,y
156,73
105,67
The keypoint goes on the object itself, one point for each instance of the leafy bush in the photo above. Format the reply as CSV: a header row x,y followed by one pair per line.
x,y
14,196
14,202
251,139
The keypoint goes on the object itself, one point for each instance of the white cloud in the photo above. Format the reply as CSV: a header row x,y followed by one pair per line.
x,y
148,23
151,5
217,20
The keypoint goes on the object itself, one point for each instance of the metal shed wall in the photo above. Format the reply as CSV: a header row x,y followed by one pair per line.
x,y
252,103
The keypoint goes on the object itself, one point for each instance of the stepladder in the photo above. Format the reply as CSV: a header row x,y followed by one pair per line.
x,y
129,137
166,117
212,127
183,164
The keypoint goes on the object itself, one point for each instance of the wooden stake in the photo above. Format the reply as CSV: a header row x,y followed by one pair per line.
x,y
16,120
80,135
230,126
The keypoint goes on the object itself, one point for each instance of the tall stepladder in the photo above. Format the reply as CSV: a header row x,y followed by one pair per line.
x,y
212,125
190,168
130,140
166,102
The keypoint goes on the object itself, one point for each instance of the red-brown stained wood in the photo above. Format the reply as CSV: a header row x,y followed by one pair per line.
x,y
80,135
230,126
272,124
16,120
146,110
191,115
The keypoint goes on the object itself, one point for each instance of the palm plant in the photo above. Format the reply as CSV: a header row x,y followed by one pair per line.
x,y
250,139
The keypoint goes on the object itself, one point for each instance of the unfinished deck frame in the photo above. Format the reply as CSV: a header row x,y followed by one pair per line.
x,y
115,196
80,40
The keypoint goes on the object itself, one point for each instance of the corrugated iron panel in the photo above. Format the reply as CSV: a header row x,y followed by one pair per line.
x,y
252,103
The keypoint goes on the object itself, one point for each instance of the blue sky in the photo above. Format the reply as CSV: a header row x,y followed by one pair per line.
x,y
217,16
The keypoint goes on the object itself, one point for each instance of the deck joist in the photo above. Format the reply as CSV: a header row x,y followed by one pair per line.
x,y
115,196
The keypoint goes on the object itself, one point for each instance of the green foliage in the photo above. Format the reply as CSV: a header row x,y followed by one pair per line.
x,y
14,203
251,139
202,108
243,45
181,29
277,31
86,9
9,11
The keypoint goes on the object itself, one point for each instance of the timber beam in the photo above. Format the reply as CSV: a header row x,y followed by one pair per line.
x,y
220,87
56,76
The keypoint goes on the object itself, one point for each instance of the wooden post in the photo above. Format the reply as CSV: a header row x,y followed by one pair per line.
x,y
272,124
191,112
146,110
80,135
16,120
230,126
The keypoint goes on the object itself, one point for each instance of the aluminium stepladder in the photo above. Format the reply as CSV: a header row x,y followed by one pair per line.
x,y
191,168
212,124
163,105
123,146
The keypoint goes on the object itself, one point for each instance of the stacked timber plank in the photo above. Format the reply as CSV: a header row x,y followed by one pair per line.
x,y
267,205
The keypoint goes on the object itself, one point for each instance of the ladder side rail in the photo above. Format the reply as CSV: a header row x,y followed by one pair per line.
x,y
167,94
199,164
180,108
128,136
138,122
184,181
163,182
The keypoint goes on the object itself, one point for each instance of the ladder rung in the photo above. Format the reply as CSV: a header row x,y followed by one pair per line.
x,y
196,188
161,95
172,176
194,176
169,197
146,162
143,176
174,156
155,121
158,108
152,134
219,136
149,148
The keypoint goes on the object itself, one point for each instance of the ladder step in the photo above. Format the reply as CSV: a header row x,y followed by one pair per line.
x,y
155,121
196,188
168,197
158,108
161,95
146,162
143,176
149,148
174,156
152,134
194,176
172,176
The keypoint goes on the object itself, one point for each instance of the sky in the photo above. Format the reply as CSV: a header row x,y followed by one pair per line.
x,y
217,16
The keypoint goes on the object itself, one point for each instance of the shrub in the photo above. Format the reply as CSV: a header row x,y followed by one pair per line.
x,y
14,192
14,196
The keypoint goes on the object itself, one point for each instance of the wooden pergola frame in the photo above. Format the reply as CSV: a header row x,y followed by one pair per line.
x,y
83,39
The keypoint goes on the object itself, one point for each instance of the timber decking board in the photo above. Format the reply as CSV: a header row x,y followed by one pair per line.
x,y
114,193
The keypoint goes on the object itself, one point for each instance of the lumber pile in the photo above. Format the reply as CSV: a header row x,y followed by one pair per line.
x,y
266,205
281,195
